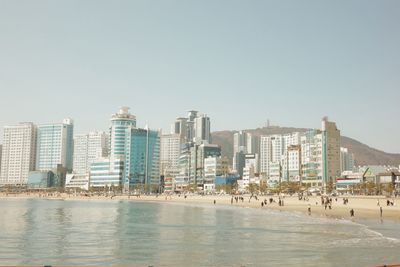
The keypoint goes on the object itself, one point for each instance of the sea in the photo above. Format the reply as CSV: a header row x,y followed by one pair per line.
x,y
104,232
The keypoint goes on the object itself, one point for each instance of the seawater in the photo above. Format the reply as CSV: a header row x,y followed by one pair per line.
x,y
79,232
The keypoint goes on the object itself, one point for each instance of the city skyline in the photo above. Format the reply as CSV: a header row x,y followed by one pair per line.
x,y
292,63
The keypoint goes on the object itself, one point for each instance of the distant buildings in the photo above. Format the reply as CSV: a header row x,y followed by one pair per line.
x,y
141,159
18,153
186,166
55,145
311,157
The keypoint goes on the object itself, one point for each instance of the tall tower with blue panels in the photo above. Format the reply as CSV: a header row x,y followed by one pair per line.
x,y
121,123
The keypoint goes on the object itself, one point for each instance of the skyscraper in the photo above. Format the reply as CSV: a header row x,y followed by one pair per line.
x,y
88,148
330,151
202,129
55,145
142,158
192,115
180,127
120,123
18,153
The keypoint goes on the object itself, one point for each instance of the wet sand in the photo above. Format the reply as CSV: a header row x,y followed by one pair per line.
x,y
365,207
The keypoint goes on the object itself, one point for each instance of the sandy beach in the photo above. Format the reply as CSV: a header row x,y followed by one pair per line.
x,y
364,206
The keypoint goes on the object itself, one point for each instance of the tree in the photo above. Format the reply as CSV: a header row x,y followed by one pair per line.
x,y
263,187
389,188
370,188
329,186
253,188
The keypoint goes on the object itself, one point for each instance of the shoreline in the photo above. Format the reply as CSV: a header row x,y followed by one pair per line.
x,y
365,207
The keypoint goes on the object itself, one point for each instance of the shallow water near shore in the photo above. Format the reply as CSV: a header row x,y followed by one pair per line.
x,y
39,231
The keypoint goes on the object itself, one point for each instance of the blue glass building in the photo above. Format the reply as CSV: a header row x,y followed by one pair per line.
x,y
142,158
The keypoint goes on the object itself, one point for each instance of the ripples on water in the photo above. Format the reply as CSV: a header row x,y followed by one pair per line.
x,y
104,232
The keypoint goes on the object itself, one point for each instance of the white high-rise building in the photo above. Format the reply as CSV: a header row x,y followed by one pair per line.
x,y
265,154
291,164
311,158
346,160
170,147
88,148
290,139
18,153
277,148
55,145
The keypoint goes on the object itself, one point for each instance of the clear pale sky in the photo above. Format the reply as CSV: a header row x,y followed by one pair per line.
x,y
240,62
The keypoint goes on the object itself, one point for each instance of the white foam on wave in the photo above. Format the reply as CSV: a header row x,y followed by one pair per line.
x,y
366,236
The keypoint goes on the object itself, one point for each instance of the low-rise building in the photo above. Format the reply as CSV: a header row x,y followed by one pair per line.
x,y
106,173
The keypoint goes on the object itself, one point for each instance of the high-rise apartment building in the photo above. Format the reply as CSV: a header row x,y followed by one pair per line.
x,y
169,153
311,158
55,145
18,153
88,148
271,151
330,151
291,165
265,155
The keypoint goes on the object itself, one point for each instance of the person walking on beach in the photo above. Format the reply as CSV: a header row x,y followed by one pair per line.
x,y
309,209
381,211
215,201
352,213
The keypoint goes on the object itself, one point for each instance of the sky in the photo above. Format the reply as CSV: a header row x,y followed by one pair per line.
x,y
239,62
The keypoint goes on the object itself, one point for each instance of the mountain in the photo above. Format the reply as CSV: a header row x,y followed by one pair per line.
x,y
363,154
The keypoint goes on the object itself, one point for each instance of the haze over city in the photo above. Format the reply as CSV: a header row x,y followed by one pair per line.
x,y
240,62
